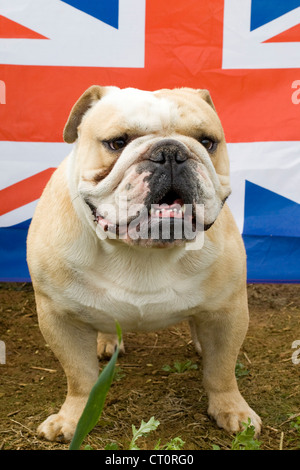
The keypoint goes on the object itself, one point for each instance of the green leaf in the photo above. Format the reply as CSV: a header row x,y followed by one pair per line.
x,y
244,440
180,367
111,446
144,429
95,403
119,332
157,445
241,370
174,444
296,424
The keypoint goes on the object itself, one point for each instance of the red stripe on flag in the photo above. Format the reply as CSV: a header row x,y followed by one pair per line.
x,y
290,35
11,29
24,192
253,105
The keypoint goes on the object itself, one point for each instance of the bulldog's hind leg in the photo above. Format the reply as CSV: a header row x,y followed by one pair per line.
x,y
195,339
106,345
75,345
221,336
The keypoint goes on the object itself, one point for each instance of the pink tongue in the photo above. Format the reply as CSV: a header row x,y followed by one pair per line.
x,y
176,203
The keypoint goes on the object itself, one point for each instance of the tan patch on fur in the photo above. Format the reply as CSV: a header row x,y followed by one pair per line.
x,y
54,227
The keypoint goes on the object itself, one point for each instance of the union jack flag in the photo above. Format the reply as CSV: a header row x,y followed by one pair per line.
x,y
246,52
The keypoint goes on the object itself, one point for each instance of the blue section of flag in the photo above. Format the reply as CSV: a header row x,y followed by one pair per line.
x,y
104,10
268,213
263,11
13,265
272,259
271,235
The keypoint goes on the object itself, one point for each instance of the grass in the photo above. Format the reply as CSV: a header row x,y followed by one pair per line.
x,y
180,367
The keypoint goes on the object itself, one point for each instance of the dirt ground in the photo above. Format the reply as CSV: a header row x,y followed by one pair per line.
x,y
33,384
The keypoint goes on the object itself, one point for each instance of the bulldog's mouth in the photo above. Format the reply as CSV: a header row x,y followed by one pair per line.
x,y
169,208
163,210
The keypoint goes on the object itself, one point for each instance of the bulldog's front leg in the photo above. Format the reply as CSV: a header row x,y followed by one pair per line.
x,y
221,335
75,345
106,345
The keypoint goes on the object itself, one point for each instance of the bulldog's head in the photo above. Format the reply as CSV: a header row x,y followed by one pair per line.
x,y
150,168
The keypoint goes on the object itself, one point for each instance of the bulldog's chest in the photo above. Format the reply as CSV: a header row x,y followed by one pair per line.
x,y
140,297
139,312
152,309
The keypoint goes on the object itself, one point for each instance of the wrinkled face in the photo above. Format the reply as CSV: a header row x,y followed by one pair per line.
x,y
151,168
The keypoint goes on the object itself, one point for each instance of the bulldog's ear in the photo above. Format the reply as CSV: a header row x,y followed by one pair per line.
x,y
205,95
86,101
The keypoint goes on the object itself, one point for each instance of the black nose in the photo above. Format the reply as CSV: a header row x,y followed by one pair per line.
x,y
168,151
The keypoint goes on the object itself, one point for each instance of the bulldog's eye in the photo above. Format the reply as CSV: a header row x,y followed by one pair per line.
x,y
117,144
209,144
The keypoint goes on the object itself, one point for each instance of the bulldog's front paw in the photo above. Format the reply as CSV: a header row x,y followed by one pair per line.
x,y
57,428
106,345
230,411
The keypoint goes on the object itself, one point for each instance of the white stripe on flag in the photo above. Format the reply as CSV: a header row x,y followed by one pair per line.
x,y
19,160
18,215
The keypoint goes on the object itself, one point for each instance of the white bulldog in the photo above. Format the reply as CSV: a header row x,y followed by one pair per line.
x,y
133,226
